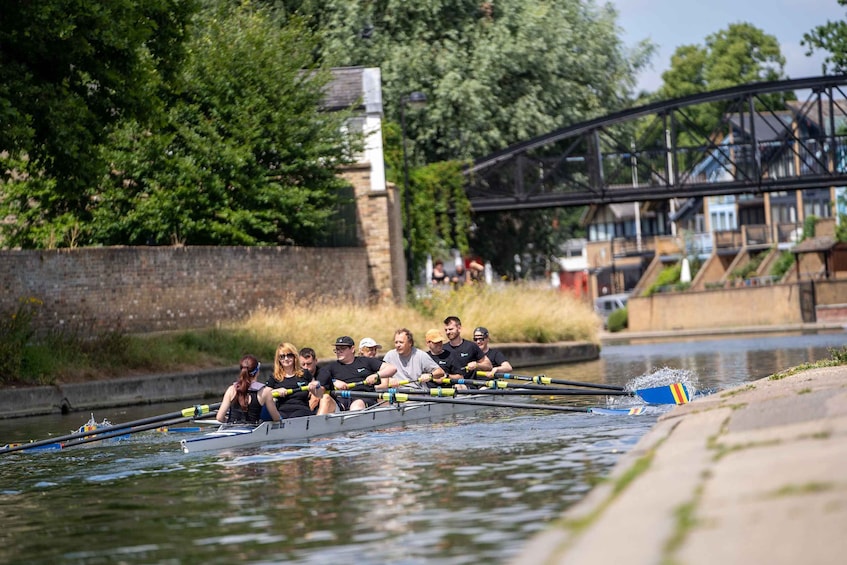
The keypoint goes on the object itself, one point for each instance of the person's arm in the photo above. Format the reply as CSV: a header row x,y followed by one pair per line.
x,y
225,403
483,364
268,400
386,371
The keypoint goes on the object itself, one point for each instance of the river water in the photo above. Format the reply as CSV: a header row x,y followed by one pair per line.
x,y
472,489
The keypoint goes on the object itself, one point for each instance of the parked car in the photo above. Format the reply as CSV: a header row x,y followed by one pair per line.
x,y
605,305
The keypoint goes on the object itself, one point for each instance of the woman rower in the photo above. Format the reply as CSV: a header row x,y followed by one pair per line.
x,y
288,380
243,400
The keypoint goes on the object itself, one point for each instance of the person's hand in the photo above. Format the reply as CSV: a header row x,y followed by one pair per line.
x,y
340,385
472,366
284,392
372,379
425,377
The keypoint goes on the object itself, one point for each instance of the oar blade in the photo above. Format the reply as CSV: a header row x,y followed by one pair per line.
x,y
676,393
633,411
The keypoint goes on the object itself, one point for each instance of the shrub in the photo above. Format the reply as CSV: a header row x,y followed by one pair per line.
x,y
618,320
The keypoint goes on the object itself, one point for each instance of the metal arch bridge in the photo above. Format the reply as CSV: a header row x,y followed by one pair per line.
x,y
656,152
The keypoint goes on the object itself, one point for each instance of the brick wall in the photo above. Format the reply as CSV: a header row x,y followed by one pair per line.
x,y
142,289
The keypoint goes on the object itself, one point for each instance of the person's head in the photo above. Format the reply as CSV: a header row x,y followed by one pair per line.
x,y
343,348
287,361
309,359
460,269
368,347
439,264
249,367
480,337
435,341
404,341
453,328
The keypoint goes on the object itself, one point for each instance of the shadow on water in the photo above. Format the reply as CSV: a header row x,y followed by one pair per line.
x,y
471,489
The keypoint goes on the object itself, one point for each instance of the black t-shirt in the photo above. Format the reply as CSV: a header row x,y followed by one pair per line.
x,y
294,404
464,353
357,371
496,357
447,361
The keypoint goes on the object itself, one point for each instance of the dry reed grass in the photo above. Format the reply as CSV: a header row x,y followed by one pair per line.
x,y
512,313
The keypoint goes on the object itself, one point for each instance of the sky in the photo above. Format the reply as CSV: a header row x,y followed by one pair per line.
x,y
672,23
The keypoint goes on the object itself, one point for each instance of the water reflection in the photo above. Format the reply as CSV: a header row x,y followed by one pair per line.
x,y
468,490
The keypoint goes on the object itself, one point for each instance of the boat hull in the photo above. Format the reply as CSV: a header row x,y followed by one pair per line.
x,y
294,429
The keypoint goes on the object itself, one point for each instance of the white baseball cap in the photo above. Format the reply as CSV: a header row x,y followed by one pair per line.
x,y
369,342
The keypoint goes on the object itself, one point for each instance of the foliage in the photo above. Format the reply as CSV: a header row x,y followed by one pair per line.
x,y
841,228
618,320
538,315
749,268
241,154
16,330
68,70
668,277
494,74
783,264
809,227
831,37
740,54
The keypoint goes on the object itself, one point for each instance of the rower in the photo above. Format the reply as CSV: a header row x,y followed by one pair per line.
x,y
468,354
349,370
499,363
244,399
413,364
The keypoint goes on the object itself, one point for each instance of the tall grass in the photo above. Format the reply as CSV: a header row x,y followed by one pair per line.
x,y
513,313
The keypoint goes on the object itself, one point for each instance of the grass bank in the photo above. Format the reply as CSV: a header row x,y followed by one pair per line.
x,y
512,313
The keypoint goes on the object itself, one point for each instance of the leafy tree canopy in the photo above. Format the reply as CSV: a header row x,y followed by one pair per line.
x,y
241,154
70,68
831,37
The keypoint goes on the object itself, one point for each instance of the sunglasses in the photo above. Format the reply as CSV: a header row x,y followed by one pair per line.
x,y
341,348
479,338
286,356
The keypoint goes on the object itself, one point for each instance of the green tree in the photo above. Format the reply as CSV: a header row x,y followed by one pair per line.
x,y
69,69
494,74
243,153
831,37
740,54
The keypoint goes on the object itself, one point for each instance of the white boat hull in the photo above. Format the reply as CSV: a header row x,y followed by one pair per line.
x,y
294,429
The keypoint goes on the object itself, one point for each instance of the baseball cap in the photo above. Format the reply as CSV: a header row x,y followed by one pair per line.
x,y
434,336
345,340
481,331
369,342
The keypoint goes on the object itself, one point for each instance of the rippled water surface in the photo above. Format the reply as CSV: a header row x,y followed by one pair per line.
x,y
471,489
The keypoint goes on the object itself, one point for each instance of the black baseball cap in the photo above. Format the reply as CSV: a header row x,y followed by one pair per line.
x,y
481,331
345,340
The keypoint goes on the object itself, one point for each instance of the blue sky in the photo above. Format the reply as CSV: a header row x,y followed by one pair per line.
x,y
671,23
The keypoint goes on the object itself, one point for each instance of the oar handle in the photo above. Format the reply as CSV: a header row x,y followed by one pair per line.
x,y
278,391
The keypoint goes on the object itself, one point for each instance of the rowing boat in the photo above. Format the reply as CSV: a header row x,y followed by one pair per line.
x,y
305,427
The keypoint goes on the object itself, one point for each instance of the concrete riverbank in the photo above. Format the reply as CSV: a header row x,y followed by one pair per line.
x,y
210,384
754,474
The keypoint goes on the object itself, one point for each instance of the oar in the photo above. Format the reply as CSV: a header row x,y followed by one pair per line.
x,y
118,433
489,384
400,397
190,413
548,391
543,380
675,393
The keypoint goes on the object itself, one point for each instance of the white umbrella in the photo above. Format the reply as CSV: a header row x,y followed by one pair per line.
x,y
685,275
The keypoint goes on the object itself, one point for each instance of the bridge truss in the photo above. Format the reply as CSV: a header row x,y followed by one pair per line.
x,y
656,152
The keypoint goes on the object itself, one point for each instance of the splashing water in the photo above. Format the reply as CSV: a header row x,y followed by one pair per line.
x,y
665,376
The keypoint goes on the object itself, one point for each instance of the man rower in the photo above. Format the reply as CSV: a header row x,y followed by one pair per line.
x,y
413,364
445,359
499,363
346,371
468,354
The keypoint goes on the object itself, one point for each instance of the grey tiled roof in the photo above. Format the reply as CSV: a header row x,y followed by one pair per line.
x,y
345,89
